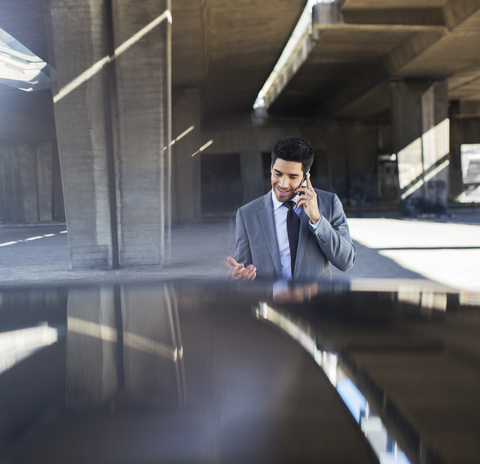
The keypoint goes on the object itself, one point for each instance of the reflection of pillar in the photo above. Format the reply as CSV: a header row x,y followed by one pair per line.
x,y
252,175
153,357
91,347
420,128
112,126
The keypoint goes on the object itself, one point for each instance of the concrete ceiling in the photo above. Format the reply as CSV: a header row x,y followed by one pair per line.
x,y
229,48
347,72
226,47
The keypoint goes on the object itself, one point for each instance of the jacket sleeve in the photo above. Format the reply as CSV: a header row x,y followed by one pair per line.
x,y
334,238
243,254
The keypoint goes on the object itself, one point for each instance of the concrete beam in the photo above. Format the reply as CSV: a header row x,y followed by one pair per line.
x,y
449,13
357,93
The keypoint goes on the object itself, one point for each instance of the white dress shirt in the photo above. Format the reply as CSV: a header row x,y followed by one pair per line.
x,y
280,214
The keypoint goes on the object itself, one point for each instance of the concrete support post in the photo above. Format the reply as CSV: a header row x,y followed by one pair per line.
x,y
111,106
142,93
186,170
45,181
420,128
28,177
80,98
252,175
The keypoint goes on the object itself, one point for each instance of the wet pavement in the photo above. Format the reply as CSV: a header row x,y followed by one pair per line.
x,y
442,249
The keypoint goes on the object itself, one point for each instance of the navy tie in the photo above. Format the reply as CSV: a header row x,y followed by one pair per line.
x,y
293,229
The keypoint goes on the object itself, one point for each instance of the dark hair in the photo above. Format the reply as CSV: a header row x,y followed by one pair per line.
x,y
294,149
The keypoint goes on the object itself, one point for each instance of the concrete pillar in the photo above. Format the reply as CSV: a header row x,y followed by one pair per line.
x,y
456,185
28,177
45,181
91,347
252,175
82,128
186,170
420,128
143,90
113,124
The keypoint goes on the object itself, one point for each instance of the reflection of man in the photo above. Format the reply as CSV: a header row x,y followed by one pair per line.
x,y
293,231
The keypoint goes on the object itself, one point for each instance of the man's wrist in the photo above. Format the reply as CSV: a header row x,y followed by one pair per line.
x,y
313,223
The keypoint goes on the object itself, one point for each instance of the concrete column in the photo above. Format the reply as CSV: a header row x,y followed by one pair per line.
x,y
420,128
112,126
186,170
44,181
455,150
252,175
28,177
142,92
91,347
80,107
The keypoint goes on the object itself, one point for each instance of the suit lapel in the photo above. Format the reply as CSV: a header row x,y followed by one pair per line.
x,y
267,220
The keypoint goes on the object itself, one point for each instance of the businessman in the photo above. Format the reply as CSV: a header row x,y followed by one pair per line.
x,y
294,231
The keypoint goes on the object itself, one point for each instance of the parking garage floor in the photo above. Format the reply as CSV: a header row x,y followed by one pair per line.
x,y
444,250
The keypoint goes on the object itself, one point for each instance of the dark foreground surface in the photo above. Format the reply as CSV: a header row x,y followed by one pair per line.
x,y
218,372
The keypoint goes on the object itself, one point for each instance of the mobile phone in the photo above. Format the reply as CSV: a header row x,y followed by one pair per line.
x,y
304,183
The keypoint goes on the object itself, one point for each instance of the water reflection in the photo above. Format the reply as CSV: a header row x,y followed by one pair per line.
x,y
19,344
115,387
371,424
127,337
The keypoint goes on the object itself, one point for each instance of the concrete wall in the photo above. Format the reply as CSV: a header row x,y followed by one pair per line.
x,y
27,192
250,137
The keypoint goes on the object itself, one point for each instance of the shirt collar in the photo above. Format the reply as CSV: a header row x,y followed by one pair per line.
x,y
277,204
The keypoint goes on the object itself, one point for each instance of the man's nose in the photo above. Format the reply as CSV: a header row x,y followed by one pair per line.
x,y
283,182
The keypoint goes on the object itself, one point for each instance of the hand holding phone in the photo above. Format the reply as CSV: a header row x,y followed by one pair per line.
x,y
303,184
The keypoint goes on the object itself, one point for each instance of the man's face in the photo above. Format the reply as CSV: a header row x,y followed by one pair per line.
x,y
286,177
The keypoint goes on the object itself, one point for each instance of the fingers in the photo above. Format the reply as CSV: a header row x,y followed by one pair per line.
x,y
239,271
309,182
308,195
227,265
244,273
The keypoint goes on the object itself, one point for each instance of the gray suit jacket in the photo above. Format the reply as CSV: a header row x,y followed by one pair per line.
x,y
256,239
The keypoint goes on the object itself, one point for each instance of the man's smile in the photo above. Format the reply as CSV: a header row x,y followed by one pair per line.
x,y
284,191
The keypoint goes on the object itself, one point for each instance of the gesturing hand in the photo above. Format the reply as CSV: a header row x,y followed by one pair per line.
x,y
239,271
309,201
